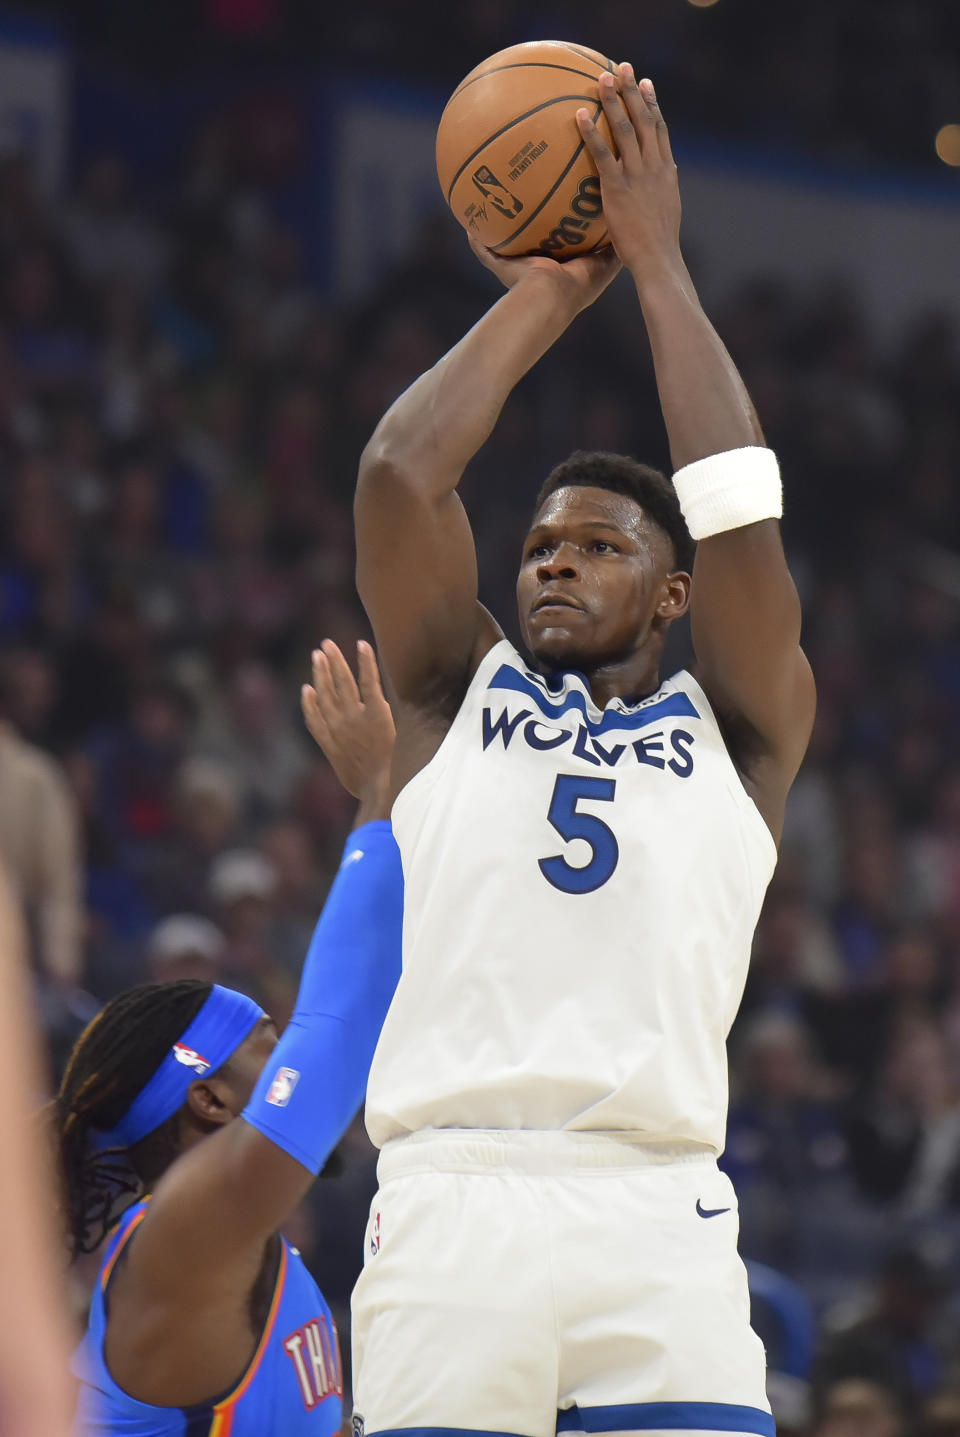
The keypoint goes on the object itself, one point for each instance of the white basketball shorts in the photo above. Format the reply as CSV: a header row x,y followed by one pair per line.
x,y
532,1283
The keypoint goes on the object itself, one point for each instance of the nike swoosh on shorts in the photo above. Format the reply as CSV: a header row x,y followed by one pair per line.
x,y
710,1211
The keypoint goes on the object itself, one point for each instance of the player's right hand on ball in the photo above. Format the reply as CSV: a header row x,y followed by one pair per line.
x,y
351,720
582,279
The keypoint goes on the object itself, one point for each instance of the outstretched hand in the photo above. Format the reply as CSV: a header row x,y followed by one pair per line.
x,y
351,721
583,279
641,196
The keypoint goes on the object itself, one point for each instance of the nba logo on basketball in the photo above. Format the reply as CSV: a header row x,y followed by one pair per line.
x,y
281,1089
496,192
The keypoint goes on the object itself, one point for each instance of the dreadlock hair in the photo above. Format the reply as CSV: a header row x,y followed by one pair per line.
x,y
620,474
112,1061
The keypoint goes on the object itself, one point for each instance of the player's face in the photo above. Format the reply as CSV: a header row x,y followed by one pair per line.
x,y
248,1062
591,579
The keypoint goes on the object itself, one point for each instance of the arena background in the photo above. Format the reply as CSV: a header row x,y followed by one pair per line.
x,y
222,254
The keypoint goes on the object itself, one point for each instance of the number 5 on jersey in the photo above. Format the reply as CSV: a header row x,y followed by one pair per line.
x,y
564,815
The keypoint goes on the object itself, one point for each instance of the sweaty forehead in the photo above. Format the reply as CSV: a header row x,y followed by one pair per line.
x,y
581,504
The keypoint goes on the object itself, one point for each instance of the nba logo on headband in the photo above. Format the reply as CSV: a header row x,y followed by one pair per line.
x,y
190,1058
219,1028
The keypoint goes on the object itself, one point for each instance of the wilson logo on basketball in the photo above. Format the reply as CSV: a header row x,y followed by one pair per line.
x,y
585,207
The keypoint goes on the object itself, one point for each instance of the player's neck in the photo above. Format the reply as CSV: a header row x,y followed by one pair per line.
x,y
631,678
623,682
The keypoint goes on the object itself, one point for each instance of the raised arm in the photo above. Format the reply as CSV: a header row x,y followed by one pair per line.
x,y
744,608
217,1205
416,563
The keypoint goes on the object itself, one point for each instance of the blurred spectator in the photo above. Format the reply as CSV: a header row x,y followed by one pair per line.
x,y
904,1135
207,805
185,946
30,682
794,950
50,347
897,1341
940,1417
785,1130
256,740
243,889
935,854
174,869
325,810
854,1407
136,762
100,665
107,236
299,889
870,905
791,1402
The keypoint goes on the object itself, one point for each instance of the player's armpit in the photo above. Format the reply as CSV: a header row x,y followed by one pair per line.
x,y
216,1208
417,579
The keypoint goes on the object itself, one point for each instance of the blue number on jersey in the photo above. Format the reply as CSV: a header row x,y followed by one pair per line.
x,y
570,823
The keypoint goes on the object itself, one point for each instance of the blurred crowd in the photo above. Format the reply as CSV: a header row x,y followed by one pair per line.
x,y
855,79
181,416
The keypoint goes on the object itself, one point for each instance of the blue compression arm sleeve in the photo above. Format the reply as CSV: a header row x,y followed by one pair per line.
x,y
316,1076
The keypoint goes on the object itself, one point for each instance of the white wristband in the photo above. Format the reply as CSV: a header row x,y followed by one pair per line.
x,y
726,491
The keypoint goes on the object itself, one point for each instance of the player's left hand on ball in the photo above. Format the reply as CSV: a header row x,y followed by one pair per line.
x,y
350,718
582,279
641,196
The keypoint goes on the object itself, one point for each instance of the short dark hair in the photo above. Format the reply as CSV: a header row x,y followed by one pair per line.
x,y
620,474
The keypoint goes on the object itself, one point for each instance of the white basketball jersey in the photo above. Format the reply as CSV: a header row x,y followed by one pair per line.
x,y
581,890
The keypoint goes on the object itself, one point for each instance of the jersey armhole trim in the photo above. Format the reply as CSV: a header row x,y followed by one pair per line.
x,y
684,676
121,1247
223,1409
220,1409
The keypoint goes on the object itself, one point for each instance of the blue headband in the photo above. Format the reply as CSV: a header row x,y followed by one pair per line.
x,y
215,1033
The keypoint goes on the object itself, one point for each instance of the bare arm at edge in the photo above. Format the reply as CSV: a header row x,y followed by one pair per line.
x,y
37,1394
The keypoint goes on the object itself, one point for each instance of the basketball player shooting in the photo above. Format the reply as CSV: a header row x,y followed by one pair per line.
x,y
585,849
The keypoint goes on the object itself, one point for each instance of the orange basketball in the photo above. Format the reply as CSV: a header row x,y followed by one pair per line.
x,y
510,158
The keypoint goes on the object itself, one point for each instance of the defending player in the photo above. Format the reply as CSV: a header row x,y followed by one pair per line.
x,y
204,1320
585,853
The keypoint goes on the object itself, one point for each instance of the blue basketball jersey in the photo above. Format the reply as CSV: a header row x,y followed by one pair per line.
x,y
292,1387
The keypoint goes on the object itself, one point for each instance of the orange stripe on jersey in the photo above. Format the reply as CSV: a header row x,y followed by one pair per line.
x,y
223,1412
108,1268
222,1422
